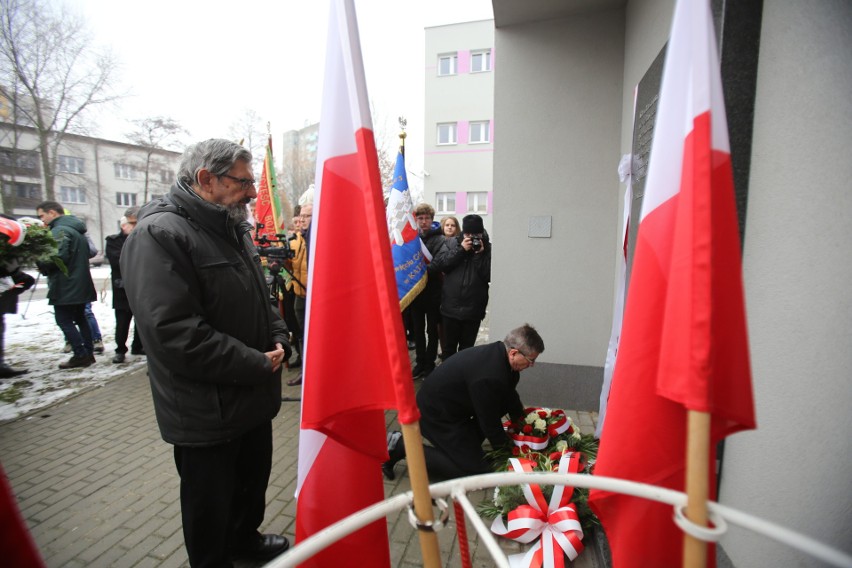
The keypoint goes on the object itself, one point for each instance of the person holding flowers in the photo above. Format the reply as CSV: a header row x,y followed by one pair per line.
x,y
463,402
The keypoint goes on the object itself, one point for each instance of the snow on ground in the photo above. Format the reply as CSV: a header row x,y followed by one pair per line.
x,y
33,341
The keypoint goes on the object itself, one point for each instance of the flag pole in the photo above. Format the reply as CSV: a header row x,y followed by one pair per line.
x,y
697,485
416,462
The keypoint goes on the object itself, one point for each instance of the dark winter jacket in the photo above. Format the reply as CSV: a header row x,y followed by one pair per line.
x,y
114,244
77,287
21,282
195,286
466,279
431,294
464,400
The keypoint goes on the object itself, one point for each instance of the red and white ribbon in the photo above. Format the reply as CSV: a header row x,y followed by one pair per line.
x,y
555,524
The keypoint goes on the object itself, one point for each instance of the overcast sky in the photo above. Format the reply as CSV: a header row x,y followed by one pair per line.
x,y
204,62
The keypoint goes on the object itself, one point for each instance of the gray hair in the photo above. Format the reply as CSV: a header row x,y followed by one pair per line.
x,y
216,155
525,339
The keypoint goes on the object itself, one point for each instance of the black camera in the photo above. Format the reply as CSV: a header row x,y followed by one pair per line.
x,y
476,241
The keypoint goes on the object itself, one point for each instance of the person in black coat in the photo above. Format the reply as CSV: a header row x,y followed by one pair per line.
x,y
17,281
215,347
120,303
466,264
426,307
463,402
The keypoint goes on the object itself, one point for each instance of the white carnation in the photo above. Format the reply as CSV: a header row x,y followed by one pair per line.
x,y
561,445
531,417
540,424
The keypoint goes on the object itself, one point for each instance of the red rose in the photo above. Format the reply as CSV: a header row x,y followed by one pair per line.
x,y
570,429
516,451
553,433
527,429
525,449
542,414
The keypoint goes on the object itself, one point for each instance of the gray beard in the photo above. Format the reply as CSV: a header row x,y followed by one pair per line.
x,y
237,213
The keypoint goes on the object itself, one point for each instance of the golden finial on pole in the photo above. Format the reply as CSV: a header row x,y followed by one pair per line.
x,y
402,124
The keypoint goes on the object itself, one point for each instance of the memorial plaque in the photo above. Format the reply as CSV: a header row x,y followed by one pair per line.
x,y
644,120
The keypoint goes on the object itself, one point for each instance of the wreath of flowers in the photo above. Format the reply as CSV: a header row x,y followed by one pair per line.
x,y
559,435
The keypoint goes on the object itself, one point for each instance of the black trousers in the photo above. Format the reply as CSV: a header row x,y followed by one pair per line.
x,y
424,321
223,495
122,330
458,334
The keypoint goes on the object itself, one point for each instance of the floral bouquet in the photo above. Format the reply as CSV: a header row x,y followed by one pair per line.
x,y
544,440
38,245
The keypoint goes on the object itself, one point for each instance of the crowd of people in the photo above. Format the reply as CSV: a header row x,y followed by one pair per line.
x,y
185,268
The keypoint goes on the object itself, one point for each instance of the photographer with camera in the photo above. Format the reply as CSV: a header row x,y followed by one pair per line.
x,y
299,268
466,263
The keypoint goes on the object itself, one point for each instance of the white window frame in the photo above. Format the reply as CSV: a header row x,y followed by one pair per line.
x,y
125,199
167,176
452,60
477,202
452,130
70,165
70,194
480,127
124,171
445,202
484,57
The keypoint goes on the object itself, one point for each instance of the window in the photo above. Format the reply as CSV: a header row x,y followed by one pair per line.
x,y
445,202
167,176
447,133
447,64
479,132
477,202
70,164
21,159
22,190
72,194
125,171
125,199
480,61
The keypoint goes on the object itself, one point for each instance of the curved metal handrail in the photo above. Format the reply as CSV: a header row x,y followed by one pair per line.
x,y
458,489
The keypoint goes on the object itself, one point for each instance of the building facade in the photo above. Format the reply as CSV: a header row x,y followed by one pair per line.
x,y
96,179
564,100
459,120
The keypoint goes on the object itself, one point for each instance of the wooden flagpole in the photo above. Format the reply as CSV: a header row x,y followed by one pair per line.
x,y
697,485
416,462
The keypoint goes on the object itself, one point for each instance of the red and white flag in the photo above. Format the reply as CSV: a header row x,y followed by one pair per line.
x,y
356,363
684,342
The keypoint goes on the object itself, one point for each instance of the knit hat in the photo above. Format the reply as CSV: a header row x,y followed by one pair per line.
x,y
472,225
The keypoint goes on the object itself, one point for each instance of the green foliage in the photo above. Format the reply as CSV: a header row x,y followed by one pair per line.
x,y
38,246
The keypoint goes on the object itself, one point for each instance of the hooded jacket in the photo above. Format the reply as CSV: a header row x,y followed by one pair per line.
x,y
196,288
76,287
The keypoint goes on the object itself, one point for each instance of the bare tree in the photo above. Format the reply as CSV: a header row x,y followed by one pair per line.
x,y
248,130
154,134
297,174
58,74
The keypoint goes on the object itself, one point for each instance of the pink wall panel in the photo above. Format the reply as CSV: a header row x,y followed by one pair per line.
x,y
463,61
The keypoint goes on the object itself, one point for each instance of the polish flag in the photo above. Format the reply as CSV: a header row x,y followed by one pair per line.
x,y
356,363
684,343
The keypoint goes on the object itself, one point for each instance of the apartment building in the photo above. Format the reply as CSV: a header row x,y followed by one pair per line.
x,y
96,179
459,120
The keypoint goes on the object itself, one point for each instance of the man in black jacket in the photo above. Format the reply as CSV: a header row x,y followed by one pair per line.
x,y
215,347
426,307
123,313
463,403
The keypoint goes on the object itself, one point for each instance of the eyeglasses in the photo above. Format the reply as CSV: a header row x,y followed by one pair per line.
x,y
245,183
530,361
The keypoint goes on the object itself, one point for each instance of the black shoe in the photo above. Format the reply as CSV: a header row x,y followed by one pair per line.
x,y
98,346
78,362
295,382
266,547
417,372
411,346
119,358
7,372
387,471
427,370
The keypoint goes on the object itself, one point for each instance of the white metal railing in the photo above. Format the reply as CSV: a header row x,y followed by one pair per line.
x,y
458,488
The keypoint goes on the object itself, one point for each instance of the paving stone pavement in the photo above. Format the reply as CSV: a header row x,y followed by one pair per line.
x,y
98,487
